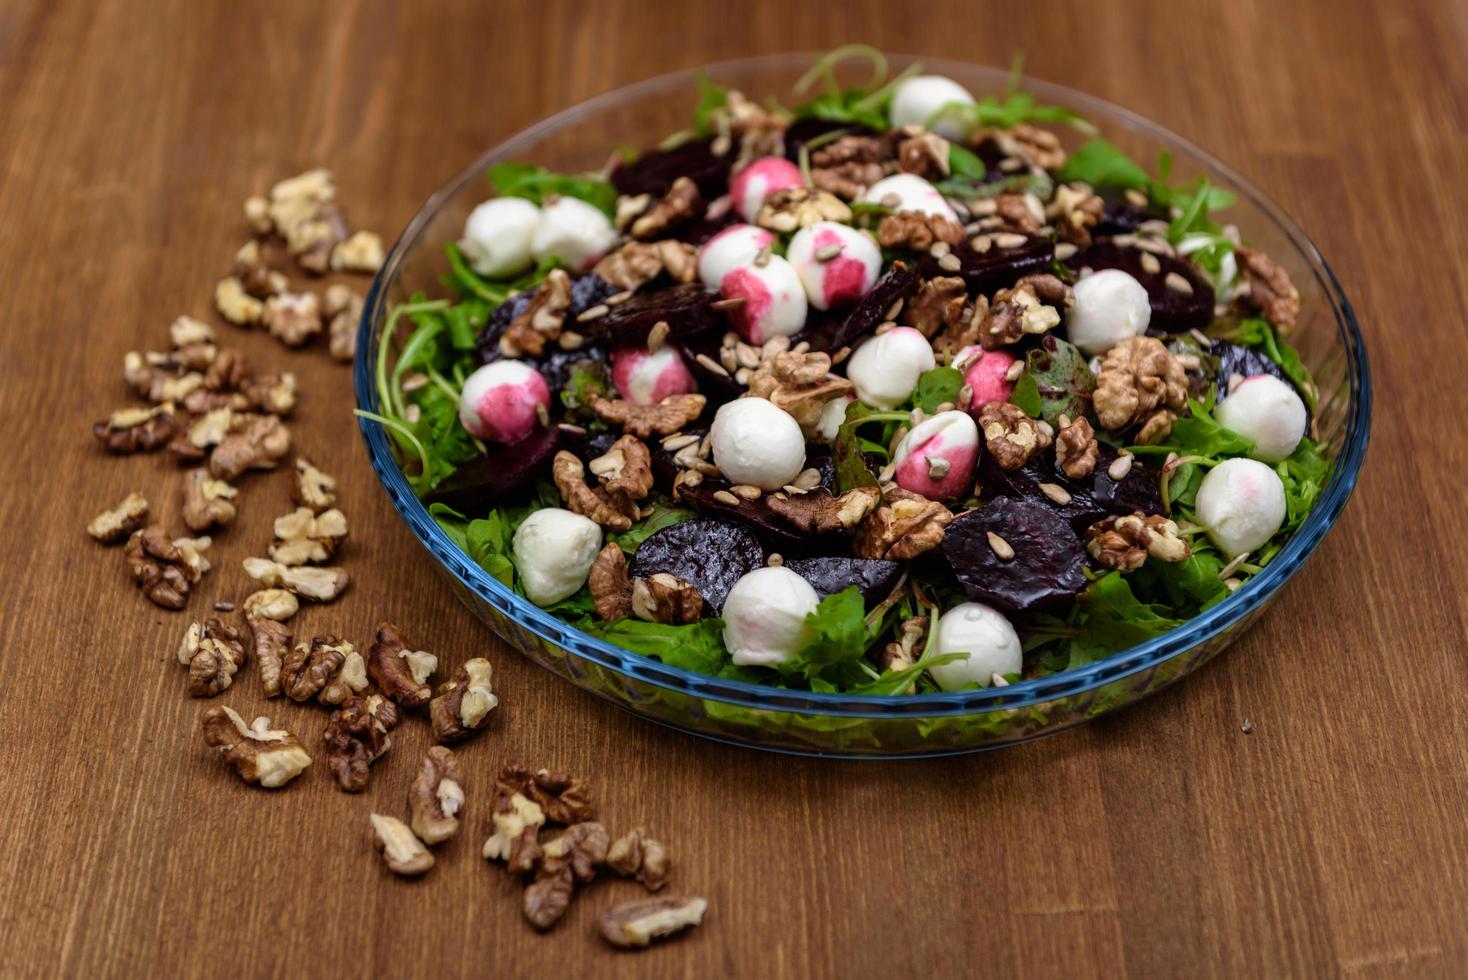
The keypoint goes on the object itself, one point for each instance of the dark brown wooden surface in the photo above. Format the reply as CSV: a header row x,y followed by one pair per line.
x,y
1162,842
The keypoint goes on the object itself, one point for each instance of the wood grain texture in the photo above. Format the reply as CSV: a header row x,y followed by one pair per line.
x,y
1162,842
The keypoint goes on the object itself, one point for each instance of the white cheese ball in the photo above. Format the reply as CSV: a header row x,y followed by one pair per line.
x,y
885,369
1109,307
732,248
837,264
989,641
764,616
553,551
833,415
911,193
1242,504
774,300
915,99
1266,410
758,180
497,236
572,231
756,443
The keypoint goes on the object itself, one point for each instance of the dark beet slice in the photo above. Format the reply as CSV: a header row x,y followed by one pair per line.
x,y
1173,311
875,577
991,154
710,554
684,308
1048,564
827,333
802,131
1121,216
700,230
500,471
1243,361
1091,498
654,172
998,268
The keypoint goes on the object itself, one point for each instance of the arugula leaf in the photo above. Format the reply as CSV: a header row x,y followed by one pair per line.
x,y
1100,164
1026,395
1304,475
536,183
963,162
662,516
846,451
1057,381
1115,619
1199,434
711,98
1186,586
837,637
936,387
697,646
486,541
1258,333
991,112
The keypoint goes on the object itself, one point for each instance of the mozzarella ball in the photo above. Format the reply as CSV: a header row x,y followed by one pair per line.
x,y
503,401
730,249
885,369
989,641
911,193
645,378
938,457
1268,411
764,616
986,372
837,264
1242,504
497,236
756,443
1110,306
553,551
574,232
774,300
915,99
833,414
758,180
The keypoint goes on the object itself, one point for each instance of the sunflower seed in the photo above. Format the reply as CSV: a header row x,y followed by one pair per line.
x,y
1009,240
950,263
1064,251
658,336
1149,263
1056,493
1015,372
1119,468
828,252
725,497
1000,547
746,491
595,313
1227,572
709,364
1178,283
678,441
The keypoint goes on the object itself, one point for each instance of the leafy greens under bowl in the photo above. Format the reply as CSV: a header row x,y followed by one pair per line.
x,y
817,721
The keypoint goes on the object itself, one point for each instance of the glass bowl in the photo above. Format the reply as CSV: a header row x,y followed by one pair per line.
x,y
581,138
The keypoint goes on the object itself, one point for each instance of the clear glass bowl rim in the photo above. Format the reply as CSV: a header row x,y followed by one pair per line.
x,y
1202,628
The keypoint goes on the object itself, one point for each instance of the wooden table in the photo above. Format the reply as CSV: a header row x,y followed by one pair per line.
x,y
1162,842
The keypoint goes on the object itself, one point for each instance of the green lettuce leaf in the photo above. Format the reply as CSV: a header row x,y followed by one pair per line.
x,y
537,183
696,646
937,387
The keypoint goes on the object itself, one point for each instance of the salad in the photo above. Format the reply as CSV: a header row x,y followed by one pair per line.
x,y
886,393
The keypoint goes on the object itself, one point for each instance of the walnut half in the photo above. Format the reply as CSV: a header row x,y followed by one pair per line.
x,y
437,796
213,653
117,525
260,754
356,736
401,849
308,582
636,855
400,673
1125,543
464,702
636,924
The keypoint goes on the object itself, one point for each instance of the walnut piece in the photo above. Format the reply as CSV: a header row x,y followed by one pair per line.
x,y
542,319
904,526
213,653
608,583
561,797
904,651
166,568
1271,292
818,512
549,895
436,797
799,383
235,304
260,754
309,666
1028,307
313,488
117,525
255,442
1075,209
937,305
464,702
917,231
680,204
584,845
356,736
319,584
1139,378
1022,213
636,924
303,538
255,273
401,849
400,673
301,210
185,330
636,855
643,421
163,377
361,252
1038,147
132,430
1124,543
851,164
1076,448
786,210
1011,436
517,822
271,640
293,318
636,264
625,473
342,306
664,598
207,502
349,680
276,604
923,153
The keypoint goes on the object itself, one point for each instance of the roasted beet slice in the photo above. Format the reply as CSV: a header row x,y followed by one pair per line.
x,y
1173,310
998,268
1121,216
1048,563
684,308
825,332
875,577
1243,361
500,471
654,172
710,554
719,385
802,131
1091,498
